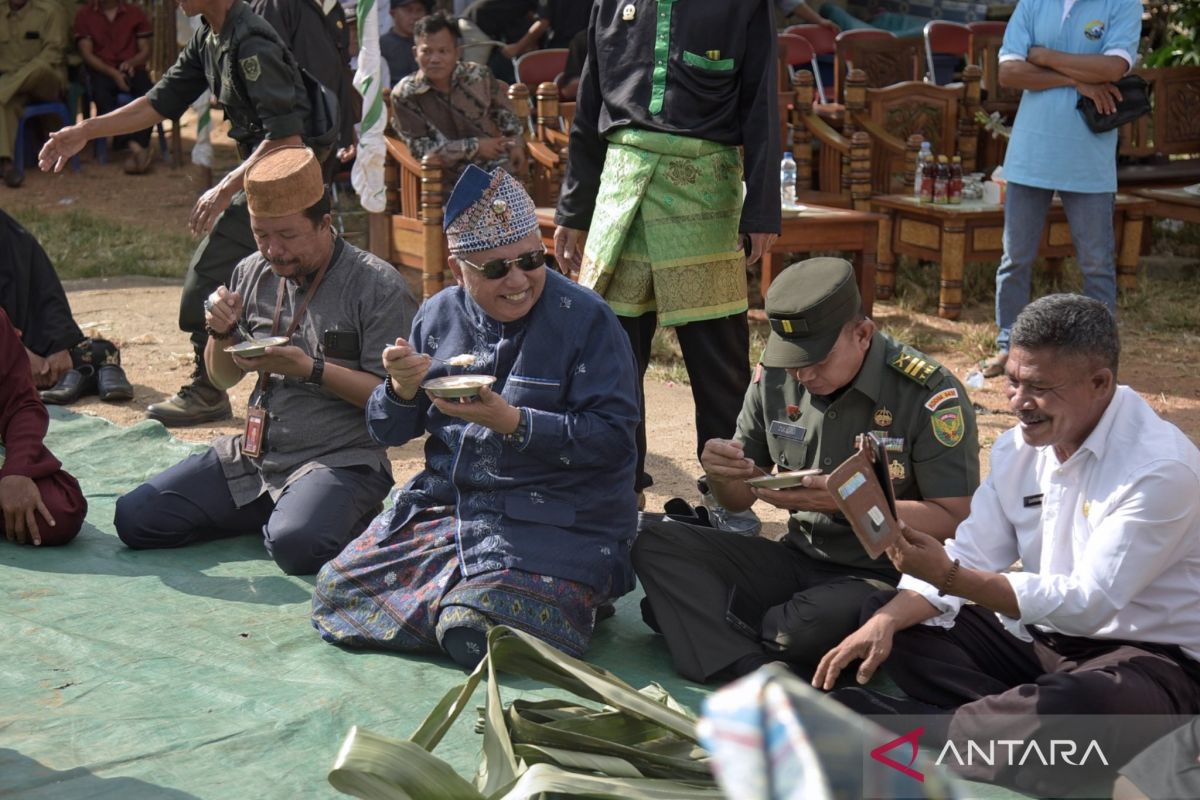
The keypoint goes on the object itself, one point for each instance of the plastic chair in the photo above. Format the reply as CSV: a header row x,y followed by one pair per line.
x,y
991,28
100,148
540,66
823,43
39,110
944,38
798,52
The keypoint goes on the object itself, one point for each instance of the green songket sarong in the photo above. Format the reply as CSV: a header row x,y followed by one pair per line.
x,y
664,236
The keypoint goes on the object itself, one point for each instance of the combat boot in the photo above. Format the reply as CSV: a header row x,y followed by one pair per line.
x,y
195,403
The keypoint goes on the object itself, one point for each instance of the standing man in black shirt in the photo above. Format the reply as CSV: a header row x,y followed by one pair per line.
x,y
668,93
239,57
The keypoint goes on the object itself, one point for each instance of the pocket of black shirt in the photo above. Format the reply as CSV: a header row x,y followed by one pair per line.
x,y
708,64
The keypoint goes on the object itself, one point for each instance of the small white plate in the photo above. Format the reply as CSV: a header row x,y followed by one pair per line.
x,y
784,480
1194,189
256,347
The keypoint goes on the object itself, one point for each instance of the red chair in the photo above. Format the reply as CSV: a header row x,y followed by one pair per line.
x,y
798,52
540,66
945,38
987,28
821,37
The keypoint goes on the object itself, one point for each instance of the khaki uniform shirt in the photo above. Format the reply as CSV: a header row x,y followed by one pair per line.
x,y
251,72
31,38
917,408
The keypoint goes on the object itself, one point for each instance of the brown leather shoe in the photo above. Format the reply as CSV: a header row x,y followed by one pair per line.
x,y
194,404
140,159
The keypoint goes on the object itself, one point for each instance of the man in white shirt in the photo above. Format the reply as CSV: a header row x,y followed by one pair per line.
x,y
1096,495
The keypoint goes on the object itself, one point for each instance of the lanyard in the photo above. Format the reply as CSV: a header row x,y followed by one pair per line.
x,y
264,379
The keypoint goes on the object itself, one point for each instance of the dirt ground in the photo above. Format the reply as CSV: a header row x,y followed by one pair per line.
x,y
140,315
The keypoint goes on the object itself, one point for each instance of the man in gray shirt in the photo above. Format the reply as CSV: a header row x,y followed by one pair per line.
x,y
306,474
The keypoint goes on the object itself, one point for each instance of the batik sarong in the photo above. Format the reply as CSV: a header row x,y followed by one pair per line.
x,y
402,590
664,235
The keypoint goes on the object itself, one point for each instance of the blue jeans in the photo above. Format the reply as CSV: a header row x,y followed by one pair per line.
x,y
1090,216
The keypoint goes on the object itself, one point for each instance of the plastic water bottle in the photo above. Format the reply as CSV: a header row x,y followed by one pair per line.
x,y
923,157
787,180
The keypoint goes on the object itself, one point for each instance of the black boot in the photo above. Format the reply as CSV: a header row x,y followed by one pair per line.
x,y
195,403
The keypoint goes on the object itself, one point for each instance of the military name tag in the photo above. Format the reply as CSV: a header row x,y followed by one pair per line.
x,y
786,430
1032,500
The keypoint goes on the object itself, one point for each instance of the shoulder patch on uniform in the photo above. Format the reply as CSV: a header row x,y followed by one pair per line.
x,y
949,427
251,69
941,397
915,365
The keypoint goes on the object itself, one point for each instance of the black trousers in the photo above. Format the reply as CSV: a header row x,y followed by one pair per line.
x,y
1002,688
804,606
229,241
104,93
316,516
716,353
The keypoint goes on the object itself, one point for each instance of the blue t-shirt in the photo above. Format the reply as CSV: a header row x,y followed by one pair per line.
x,y
1051,146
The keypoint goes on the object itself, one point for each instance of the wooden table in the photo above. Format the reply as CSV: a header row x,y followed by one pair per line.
x,y
1172,203
952,235
820,228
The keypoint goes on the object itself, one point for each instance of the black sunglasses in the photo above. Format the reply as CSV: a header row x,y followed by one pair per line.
x,y
498,267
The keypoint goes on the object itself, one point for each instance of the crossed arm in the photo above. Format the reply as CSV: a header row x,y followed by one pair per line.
x,y
1090,75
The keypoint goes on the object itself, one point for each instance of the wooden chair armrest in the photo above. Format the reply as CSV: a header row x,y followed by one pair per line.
x,y
880,135
824,133
542,154
556,138
397,150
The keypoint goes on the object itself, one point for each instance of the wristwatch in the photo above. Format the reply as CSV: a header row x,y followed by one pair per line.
x,y
318,371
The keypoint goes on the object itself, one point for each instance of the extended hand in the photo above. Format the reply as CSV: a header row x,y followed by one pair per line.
x,y
406,368
22,503
1104,95
872,643
208,208
568,249
920,555
760,245
493,147
489,410
811,495
285,359
59,148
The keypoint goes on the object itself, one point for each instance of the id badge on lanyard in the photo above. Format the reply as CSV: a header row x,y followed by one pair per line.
x,y
256,431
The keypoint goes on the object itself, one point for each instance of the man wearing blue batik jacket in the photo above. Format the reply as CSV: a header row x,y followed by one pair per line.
x,y
524,514
1057,51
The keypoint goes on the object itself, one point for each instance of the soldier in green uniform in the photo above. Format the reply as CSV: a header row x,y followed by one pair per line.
x,y
239,56
727,604
32,38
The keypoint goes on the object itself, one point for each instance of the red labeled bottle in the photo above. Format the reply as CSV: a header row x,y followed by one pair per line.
x,y
941,182
956,181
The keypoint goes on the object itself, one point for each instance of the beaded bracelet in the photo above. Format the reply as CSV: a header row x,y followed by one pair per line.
x,y
220,337
949,579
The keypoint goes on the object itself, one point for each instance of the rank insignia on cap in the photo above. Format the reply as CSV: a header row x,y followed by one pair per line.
x,y
883,417
897,470
500,207
914,365
948,425
251,69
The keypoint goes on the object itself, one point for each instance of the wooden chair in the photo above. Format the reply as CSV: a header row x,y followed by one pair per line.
x,y
900,117
408,233
881,55
986,40
945,38
545,142
1153,148
841,176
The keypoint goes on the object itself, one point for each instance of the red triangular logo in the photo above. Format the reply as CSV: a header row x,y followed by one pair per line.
x,y
910,739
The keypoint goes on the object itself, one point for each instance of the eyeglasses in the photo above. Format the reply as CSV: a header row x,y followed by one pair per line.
x,y
499,267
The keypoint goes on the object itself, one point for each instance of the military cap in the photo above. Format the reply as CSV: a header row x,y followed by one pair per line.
x,y
283,181
487,210
807,306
